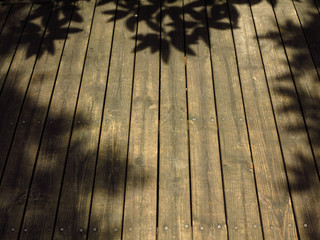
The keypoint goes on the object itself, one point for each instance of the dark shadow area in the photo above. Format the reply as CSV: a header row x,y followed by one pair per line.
x,y
31,29
153,15
302,45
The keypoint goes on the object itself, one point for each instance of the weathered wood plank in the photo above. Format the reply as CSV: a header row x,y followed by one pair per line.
x,y
309,18
240,192
109,189
174,183
75,200
4,12
140,216
27,138
304,73
48,171
301,169
9,38
208,210
11,101
274,197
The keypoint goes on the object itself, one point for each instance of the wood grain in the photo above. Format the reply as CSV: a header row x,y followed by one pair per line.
x,y
75,200
208,210
12,98
274,197
140,215
46,181
10,35
174,183
242,208
108,197
298,156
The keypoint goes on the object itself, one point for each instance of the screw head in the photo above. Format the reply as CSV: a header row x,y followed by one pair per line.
x,y
305,225
115,230
61,229
94,229
166,228
201,228
186,226
81,230
25,230
219,226
12,229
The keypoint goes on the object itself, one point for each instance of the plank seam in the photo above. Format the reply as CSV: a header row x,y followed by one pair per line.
x,y
129,133
159,117
217,120
187,108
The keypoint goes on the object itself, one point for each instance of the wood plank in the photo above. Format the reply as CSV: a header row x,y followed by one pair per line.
x,y
75,200
240,192
4,12
302,173
140,216
47,176
174,219
309,18
27,138
274,198
9,39
208,210
304,73
108,197
11,101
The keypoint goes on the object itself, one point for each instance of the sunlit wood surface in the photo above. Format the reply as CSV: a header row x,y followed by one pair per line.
x,y
173,119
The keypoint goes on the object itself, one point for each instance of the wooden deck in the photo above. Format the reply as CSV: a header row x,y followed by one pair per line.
x,y
175,119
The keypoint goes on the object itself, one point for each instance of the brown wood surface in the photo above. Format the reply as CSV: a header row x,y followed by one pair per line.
x,y
4,12
309,18
268,163
302,67
238,170
140,213
174,183
27,138
159,120
75,200
302,173
9,38
46,182
108,199
11,101
208,210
